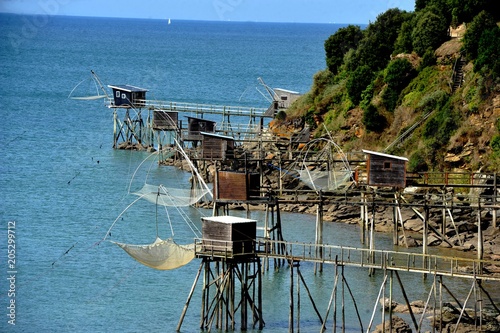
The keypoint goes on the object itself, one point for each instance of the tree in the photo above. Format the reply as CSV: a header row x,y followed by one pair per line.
x,y
483,21
430,31
441,8
404,42
489,52
338,44
466,10
378,44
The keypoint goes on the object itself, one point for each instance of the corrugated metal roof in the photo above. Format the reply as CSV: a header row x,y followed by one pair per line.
x,y
127,88
384,155
287,91
217,135
202,119
227,219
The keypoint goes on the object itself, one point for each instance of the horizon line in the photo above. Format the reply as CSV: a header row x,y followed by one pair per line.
x,y
178,19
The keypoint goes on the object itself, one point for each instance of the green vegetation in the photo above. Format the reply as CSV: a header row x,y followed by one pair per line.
x,y
380,81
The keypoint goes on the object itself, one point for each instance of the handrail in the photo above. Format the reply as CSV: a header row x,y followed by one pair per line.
x,y
380,259
198,107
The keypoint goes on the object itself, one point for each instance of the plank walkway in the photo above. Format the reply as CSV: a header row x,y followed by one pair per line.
x,y
377,259
199,108
355,257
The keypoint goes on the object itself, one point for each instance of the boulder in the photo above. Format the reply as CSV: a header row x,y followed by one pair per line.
x,y
397,325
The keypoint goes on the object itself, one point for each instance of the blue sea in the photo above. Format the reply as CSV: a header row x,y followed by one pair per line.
x,y
62,185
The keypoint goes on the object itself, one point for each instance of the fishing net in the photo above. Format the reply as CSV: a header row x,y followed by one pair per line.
x,y
324,180
161,254
174,197
324,166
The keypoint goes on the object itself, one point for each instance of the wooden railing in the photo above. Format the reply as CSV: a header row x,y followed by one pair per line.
x,y
379,259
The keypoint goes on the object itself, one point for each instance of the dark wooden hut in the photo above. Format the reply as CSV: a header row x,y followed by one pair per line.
x,y
216,146
232,185
165,120
228,235
197,125
128,96
385,170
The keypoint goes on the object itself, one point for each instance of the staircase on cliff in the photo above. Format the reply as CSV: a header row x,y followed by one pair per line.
x,y
406,134
457,79
458,73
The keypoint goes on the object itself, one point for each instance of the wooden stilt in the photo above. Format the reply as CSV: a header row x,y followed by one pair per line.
x,y
371,271
319,234
376,303
298,297
390,299
291,302
403,291
186,305
310,296
480,251
352,298
425,232
395,221
332,301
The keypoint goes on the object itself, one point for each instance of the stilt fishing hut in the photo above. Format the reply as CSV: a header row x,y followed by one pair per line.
x,y
217,147
383,170
195,126
231,266
131,131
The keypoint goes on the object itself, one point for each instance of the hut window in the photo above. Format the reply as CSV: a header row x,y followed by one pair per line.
x,y
387,165
124,96
117,94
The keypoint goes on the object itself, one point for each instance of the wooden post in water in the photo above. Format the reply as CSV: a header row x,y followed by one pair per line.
x,y
363,219
425,232
372,237
395,219
443,217
290,314
319,233
494,200
480,251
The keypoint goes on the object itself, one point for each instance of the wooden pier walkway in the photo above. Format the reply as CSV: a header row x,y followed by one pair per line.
x,y
358,257
197,109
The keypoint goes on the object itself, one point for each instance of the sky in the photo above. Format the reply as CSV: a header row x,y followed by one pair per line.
x,y
300,11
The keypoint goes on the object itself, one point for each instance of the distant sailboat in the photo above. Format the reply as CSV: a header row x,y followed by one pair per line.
x,y
169,21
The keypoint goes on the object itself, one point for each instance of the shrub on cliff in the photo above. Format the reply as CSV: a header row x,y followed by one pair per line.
x,y
357,83
372,119
398,75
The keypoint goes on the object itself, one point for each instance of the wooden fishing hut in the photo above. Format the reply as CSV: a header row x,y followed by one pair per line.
x,y
195,126
232,278
130,132
285,97
231,185
244,188
385,170
217,147
125,95
165,120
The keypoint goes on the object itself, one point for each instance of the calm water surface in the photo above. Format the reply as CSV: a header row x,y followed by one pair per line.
x,y
63,184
